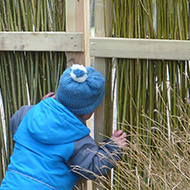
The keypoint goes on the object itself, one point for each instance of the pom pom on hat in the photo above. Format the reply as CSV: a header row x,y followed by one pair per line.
x,y
78,73
81,89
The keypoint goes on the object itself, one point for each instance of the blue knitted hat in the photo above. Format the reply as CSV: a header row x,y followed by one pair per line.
x,y
81,89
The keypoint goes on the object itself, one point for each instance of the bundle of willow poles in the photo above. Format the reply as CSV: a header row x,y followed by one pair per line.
x,y
152,95
27,76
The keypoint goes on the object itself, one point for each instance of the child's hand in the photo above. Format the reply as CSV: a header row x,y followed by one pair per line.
x,y
50,94
119,138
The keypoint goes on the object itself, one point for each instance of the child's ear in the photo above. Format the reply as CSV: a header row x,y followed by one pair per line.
x,y
87,116
70,62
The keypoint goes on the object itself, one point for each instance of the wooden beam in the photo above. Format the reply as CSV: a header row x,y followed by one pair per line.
x,y
78,20
102,29
99,46
41,41
140,48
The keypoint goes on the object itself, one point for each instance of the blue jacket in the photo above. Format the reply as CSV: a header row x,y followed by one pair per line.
x,y
53,148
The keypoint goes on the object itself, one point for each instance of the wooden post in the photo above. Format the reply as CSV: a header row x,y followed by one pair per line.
x,y
78,20
101,10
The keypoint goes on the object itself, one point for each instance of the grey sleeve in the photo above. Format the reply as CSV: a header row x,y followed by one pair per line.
x,y
90,162
17,118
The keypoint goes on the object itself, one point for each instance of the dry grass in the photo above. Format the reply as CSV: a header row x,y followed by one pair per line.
x,y
156,157
162,164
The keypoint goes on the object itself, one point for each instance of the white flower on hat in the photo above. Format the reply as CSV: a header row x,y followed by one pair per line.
x,y
78,73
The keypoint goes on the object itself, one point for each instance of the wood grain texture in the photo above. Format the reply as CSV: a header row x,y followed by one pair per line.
x,y
41,41
140,48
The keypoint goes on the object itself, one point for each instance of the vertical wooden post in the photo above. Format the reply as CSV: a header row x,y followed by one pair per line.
x,y
78,20
102,29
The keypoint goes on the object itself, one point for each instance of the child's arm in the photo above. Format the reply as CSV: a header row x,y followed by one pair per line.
x,y
17,118
90,162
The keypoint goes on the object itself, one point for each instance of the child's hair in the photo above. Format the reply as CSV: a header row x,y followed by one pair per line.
x,y
81,89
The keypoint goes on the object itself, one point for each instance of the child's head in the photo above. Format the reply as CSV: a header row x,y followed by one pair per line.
x,y
81,89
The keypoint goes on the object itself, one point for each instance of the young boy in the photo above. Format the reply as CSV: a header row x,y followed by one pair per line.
x,y
52,143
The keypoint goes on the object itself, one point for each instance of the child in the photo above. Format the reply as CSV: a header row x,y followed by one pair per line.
x,y
52,139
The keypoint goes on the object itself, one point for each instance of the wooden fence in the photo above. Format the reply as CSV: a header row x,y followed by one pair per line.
x,y
78,44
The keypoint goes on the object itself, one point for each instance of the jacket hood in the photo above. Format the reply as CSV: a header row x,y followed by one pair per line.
x,y
51,123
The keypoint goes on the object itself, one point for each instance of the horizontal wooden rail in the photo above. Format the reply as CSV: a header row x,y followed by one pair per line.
x,y
41,41
140,48
105,47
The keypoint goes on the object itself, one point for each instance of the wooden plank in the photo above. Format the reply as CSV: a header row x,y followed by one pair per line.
x,y
102,29
100,63
41,41
77,20
140,48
